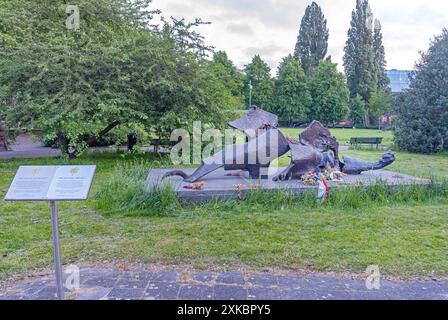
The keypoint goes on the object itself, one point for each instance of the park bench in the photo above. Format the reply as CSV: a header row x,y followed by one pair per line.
x,y
355,141
157,143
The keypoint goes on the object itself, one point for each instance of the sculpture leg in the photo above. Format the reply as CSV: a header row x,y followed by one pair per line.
x,y
254,171
286,174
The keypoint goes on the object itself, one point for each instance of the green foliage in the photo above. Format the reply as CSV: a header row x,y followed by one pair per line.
x,y
358,52
312,42
357,109
422,122
125,192
380,103
291,99
329,94
381,79
115,71
258,72
226,72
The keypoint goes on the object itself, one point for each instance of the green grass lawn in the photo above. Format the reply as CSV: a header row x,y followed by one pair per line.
x,y
404,239
344,135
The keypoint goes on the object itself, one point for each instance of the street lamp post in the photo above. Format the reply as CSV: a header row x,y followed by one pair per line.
x,y
250,93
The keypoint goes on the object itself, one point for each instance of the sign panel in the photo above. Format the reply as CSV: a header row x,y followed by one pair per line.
x,y
51,183
71,183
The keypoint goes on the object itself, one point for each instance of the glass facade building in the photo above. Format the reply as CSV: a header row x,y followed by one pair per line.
x,y
399,80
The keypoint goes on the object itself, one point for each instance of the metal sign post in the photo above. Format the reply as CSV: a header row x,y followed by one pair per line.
x,y
57,254
52,183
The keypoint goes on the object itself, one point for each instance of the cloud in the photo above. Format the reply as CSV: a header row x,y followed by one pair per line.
x,y
269,27
242,29
180,9
265,51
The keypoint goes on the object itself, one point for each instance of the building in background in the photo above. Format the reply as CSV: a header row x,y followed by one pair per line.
x,y
399,80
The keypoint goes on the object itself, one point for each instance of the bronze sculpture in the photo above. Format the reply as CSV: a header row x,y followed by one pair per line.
x,y
260,128
315,150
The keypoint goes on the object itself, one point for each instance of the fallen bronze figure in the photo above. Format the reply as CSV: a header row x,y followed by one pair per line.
x,y
315,150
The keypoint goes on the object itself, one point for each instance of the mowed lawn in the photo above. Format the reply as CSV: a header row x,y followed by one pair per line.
x,y
404,239
344,135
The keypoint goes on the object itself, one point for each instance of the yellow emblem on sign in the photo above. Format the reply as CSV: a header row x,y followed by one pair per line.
x,y
74,171
35,171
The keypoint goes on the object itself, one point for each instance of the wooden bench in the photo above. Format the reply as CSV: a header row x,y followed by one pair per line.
x,y
157,143
355,141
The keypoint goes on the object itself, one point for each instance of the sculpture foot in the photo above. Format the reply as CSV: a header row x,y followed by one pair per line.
x,y
357,166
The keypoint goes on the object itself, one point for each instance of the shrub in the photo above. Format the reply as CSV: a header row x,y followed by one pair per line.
x,y
422,122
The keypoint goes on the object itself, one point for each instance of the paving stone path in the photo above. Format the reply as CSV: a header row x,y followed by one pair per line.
x,y
101,284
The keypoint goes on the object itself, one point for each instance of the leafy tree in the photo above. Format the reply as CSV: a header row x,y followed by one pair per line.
x,y
115,71
187,40
379,104
291,99
358,52
225,70
381,79
357,110
329,94
422,111
258,73
312,42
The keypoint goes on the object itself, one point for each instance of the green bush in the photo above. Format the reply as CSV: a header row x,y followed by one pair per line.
x,y
422,122
125,192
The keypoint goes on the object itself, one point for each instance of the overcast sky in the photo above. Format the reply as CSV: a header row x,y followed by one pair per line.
x,y
269,27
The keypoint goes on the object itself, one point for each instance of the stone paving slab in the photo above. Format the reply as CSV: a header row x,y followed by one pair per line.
x,y
222,184
99,284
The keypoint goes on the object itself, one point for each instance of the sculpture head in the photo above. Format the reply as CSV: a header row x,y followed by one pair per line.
x,y
387,158
255,119
319,137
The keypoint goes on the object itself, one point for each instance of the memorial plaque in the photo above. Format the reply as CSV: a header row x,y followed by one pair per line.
x,y
51,183
71,183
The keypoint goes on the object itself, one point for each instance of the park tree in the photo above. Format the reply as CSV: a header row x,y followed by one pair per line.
x,y
358,110
381,79
329,93
312,41
114,71
422,111
291,99
380,96
258,74
358,52
225,70
379,104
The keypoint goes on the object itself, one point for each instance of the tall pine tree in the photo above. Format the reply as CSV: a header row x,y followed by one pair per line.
x,y
258,73
358,52
381,79
312,42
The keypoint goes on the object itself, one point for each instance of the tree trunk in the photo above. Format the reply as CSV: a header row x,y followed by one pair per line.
x,y
103,132
64,146
367,121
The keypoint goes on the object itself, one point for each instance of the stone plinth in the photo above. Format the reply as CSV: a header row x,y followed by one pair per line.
x,y
228,185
